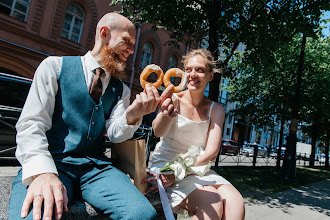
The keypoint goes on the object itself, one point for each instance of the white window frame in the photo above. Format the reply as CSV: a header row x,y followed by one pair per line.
x,y
171,62
147,49
12,8
74,17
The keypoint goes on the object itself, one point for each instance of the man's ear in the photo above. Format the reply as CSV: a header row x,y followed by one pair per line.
x,y
105,33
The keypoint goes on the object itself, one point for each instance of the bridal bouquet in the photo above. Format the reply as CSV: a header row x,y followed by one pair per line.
x,y
183,164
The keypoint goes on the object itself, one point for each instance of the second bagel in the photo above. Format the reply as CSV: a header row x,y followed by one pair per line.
x,y
175,72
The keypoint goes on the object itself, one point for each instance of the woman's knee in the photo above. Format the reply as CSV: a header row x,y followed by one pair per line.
x,y
231,194
206,198
233,202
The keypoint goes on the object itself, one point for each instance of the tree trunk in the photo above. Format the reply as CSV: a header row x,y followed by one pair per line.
x,y
289,162
279,150
214,85
312,156
326,151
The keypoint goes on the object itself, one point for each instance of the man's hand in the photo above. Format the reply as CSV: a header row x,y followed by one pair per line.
x,y
147,102
167,180
144,103
47,189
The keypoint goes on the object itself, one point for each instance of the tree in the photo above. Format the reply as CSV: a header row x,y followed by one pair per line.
x,y
315,91
261,25
264,89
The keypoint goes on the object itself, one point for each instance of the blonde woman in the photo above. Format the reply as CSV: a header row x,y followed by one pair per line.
x,y
191,119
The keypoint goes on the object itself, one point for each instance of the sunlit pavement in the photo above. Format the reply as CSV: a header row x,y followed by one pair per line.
x,y
6,176
310,202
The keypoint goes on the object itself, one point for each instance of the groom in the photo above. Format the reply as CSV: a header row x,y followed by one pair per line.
x,y
71,102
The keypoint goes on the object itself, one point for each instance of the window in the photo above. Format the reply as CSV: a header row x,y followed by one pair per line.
x,y
15,8
172,62
146,55
73,22
228,131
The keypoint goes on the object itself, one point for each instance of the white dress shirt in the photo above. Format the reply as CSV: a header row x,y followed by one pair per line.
x,y
36,117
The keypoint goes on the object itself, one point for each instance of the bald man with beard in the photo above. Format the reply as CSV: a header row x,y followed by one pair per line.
x,y
59,133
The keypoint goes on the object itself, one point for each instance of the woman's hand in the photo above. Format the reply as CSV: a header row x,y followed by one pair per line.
x,y
167,180
166,104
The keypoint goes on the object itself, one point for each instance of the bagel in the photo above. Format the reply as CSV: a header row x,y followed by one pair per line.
x,y
175,72
147,71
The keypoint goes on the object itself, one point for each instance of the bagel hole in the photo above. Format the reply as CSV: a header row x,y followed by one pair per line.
x,y
175,81
152,77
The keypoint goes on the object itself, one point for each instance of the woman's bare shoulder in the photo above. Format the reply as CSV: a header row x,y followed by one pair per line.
x,y
218,110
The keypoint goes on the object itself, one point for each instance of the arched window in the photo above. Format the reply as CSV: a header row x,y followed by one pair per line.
x,y
73,22
146,55
172,62
15,8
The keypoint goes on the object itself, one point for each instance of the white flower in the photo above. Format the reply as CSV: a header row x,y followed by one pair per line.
x,y
184,164
199,170
192,151
179,170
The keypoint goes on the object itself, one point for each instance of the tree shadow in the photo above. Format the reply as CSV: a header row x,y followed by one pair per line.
x,y
315,196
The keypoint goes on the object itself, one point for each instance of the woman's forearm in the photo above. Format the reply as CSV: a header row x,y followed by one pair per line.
x,y
161,125
206,158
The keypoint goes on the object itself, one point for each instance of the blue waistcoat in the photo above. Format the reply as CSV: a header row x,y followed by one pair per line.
x,y
78,123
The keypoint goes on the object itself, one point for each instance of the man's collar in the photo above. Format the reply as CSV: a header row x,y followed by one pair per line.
x,y
92,64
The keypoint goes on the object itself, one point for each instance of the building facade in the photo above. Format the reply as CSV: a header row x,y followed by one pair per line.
x,y
31,30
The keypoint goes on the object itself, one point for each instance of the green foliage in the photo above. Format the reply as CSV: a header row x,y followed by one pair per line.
x,y
261,25
264,90
315,87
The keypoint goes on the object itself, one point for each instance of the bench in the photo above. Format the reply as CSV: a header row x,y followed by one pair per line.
x,y
78,210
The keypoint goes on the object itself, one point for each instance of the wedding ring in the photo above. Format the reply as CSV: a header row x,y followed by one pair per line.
x,y
37,196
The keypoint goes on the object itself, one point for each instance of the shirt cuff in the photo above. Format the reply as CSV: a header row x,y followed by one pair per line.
x,y
126,131
37,165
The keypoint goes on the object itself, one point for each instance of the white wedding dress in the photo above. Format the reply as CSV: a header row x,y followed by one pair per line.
x,y
183,134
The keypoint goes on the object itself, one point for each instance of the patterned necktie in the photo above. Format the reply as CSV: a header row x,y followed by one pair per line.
x,y
96,87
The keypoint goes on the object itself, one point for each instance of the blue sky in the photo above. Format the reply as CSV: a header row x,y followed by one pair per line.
x,y
326,31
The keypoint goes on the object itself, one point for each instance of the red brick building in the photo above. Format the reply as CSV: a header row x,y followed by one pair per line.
x,y
31,30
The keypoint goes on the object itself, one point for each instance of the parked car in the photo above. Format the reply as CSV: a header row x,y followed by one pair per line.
x,y
262,151
247,150
13,92
229,146
273,153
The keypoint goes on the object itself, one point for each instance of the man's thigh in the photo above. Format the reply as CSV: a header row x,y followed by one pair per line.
x,y
19,192
110,191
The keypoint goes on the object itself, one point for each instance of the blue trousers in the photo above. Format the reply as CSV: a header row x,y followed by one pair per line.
x,y
104,187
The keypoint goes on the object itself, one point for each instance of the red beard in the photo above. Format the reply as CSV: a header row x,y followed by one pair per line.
x,y
112,64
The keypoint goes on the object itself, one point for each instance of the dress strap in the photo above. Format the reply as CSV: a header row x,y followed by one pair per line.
x,y
211,109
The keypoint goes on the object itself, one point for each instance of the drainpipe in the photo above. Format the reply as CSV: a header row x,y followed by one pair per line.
x,y
232,124
187,48
134,55
253,135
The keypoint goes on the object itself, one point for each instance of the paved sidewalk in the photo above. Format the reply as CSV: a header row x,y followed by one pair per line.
x,y
310,202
